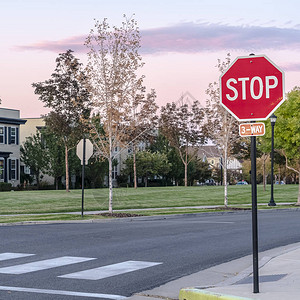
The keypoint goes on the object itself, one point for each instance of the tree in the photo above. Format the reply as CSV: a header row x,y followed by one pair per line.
x,y
113,62
221,127
142,124
34,155
148,164
162,145
55,151
199,170
95,171
181,125
66,93
287,133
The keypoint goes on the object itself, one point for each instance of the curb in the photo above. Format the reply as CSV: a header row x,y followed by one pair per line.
x,y
197,294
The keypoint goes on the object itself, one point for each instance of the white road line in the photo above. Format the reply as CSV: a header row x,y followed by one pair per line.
x,y
11,255
216,222
111,270
58,292
43,264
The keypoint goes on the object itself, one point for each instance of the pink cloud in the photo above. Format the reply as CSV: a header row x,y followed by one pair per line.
x,y
194,38
76,43
191,37
292,67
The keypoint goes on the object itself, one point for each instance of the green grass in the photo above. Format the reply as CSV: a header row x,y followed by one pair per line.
x,y
33,202
29,219
53,217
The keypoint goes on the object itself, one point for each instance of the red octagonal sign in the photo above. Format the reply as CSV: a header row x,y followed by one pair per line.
x,y
252,88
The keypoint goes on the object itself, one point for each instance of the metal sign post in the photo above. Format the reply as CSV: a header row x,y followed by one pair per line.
x,y
254,216
84,151
82,184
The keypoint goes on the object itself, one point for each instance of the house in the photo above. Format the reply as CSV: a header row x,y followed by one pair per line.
x,y
32,126
213,156
210,154
10,145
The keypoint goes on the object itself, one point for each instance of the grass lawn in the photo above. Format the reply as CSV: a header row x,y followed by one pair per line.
x,y
33,202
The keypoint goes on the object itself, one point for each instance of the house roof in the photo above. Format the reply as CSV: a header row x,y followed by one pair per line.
x,y
208,151
10,116
12,121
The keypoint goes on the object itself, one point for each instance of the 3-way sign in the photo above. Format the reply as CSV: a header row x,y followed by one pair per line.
x,y
252,129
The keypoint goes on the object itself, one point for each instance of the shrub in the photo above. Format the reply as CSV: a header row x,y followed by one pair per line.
x,y
4,187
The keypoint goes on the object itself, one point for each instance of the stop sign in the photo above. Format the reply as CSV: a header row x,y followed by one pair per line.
x,y
252,88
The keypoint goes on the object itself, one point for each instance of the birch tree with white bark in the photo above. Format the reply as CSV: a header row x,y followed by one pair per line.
x,y
221,126
113,64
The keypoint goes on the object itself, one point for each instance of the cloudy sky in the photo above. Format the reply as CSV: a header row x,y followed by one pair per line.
x,y
181,41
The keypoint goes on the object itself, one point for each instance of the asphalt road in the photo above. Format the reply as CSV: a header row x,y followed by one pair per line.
x,y
159,249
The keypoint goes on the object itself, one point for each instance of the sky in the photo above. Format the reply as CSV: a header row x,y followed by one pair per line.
x,y
181,41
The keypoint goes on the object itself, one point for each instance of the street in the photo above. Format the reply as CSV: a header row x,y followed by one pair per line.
x,y
116,258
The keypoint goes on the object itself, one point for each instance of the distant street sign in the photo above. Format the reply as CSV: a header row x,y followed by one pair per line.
x,y
252,88
252,129
88,150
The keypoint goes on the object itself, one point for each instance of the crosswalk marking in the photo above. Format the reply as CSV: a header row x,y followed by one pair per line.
x,y
59,292
43,264
110,270
11,255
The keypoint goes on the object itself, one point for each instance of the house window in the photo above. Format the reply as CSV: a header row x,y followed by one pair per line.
x,y
13,169
115,172
1,170
1,135
13,135
27,170
142,146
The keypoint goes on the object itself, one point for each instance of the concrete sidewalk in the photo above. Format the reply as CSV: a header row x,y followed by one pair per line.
x,y
279,277
87,212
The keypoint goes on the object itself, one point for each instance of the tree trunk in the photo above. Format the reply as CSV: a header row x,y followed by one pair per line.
x,y
67,168
297,172
56,183
264,172
37,176
110,179
134,169
185,174
298,201
225,178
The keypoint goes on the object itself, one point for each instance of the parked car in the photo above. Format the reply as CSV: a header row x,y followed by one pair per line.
x,y
281,182
241,182
210,182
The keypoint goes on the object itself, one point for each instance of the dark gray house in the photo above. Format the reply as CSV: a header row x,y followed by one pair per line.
x,y
10,145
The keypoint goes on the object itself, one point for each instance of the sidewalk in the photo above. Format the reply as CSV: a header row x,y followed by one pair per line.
x,y
144,209
279,277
